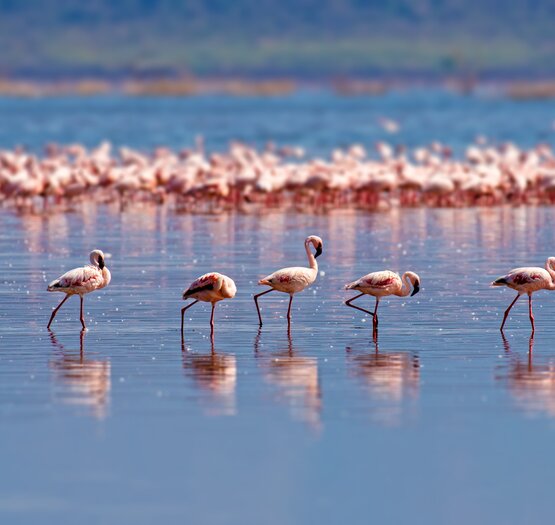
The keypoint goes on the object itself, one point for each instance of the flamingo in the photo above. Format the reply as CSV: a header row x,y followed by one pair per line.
x,y
294,279
528,280
81,281
209,288
381,284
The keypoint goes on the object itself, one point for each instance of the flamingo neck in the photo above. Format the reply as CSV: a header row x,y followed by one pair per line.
x,y
549,268
311,259
407,286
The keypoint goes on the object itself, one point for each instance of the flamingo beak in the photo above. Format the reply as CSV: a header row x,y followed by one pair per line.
x,y
416,288
318,251
101,263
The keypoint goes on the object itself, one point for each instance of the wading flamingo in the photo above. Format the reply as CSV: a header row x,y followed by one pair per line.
x,y
81,281
295,279
209,288
528,280
380,284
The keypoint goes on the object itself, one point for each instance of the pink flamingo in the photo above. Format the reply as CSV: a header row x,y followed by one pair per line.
x,y
81,281
209,288
381,284
295,279
528,280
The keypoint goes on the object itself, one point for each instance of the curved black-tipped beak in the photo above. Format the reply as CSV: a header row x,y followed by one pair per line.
x,y
318,251
415,289
101,262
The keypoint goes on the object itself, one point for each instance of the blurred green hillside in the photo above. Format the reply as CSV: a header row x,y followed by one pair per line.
x,y
303,38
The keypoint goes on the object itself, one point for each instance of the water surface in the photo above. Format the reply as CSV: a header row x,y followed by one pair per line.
x,y
441,421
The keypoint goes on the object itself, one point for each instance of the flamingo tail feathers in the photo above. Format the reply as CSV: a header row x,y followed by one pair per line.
x,y
53,286
502,281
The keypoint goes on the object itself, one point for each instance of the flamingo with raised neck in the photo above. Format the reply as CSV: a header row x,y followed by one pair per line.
x,y
295,279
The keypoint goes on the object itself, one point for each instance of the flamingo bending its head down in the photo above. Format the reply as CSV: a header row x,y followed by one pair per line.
x,y
81,281
294,279
528,280
209,288
380,284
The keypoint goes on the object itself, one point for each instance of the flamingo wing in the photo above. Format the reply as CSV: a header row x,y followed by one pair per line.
x,y
208,281
287,276
376,281
523,278
380,279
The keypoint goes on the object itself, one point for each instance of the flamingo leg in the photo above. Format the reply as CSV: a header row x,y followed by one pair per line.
x,y
183,315
212,317
55,311
82,317
256,303
289,310
376,316
507,312
530,312
348,303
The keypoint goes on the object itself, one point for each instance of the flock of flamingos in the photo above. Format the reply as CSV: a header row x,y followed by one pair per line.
x,y
214,287
244,178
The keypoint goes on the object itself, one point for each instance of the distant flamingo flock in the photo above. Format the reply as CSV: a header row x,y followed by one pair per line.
x,y
244,178
214,287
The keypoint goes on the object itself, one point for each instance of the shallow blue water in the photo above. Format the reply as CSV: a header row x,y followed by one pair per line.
x,y
444,422
317,120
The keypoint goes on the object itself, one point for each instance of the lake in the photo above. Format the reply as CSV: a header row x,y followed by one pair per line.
x,y
441,421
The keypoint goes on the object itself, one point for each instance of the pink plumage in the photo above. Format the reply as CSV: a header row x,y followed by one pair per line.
x,y
294,279
380,284
209,288
528,280
81,281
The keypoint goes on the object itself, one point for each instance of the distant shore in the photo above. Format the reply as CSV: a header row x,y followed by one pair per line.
x,y
520,89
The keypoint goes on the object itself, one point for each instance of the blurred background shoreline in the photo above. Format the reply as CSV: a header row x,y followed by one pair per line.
x,y
247,47
176,86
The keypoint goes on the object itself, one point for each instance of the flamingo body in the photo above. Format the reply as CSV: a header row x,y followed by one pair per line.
x,y
209,288
81,281
380,284
291,280
527,280
294,279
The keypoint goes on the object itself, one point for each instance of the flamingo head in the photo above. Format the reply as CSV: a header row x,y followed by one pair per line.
x,y
415,280
317,243
97,258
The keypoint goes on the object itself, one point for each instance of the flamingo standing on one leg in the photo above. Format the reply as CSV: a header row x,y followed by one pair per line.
x,y
528,280
81,281
209,288
295,279
380,284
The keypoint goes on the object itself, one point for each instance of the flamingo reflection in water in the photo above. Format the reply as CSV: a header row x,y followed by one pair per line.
x,y
214,374
85,382
532,386
391,379
296,378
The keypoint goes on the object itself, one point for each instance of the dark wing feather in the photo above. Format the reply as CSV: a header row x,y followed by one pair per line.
x,y
192,291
